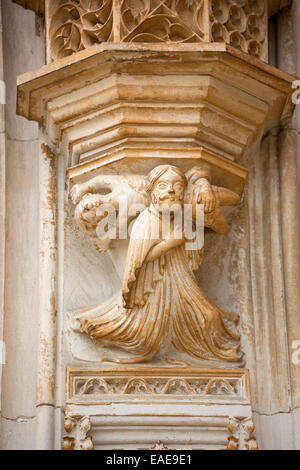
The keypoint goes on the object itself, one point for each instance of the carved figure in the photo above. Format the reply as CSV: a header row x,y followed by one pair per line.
x,y
160,296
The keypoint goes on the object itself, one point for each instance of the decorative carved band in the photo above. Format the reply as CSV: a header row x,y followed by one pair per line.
x,y
75,25
122,385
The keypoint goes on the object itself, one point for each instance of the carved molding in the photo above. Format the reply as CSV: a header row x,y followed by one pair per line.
x,y
78,433
241,434
212,113
131,428
137,408
77,25
140,384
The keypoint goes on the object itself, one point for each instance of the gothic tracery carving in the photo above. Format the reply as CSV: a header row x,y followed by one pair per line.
x,y
78,24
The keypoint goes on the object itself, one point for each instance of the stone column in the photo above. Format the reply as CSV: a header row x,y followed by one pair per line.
x,y
2,202
289,154
275,221
23,50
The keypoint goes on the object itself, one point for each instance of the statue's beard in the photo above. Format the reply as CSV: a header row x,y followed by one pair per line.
x,y
167,202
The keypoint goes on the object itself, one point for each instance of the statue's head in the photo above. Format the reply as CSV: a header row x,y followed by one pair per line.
x,y
166,185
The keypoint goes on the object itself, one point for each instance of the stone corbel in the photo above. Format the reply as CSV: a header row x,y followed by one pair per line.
x,y
97,105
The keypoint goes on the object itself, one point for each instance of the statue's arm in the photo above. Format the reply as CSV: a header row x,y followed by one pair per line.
x,y
200,190
162,248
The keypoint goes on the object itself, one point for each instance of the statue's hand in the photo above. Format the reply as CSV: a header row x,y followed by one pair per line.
x,y
201,192
208,199
86,211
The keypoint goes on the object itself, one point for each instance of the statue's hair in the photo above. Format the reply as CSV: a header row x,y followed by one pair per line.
x,y
157,172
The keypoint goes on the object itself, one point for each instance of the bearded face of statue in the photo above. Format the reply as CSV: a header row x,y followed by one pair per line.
x,y
168,190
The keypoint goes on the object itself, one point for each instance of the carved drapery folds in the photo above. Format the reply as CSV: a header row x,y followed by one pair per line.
x,y
160,260
77,25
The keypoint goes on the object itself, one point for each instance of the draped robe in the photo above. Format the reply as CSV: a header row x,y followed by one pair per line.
x,y
161,298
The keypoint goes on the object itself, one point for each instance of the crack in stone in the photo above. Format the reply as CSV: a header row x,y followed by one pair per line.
x,y
19,419
277,412
21,140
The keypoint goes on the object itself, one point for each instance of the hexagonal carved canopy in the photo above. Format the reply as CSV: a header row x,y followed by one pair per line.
x,y
133,103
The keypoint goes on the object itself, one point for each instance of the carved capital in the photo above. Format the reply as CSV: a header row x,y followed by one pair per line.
x,y
77,429
241,434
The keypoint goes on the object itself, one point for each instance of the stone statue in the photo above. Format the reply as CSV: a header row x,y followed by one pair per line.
x,y
160,299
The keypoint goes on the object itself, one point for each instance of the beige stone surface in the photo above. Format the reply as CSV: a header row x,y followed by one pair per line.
x,y
21,299
17,434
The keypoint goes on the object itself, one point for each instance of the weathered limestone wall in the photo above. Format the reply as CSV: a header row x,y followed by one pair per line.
x,y
277,167
23,51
